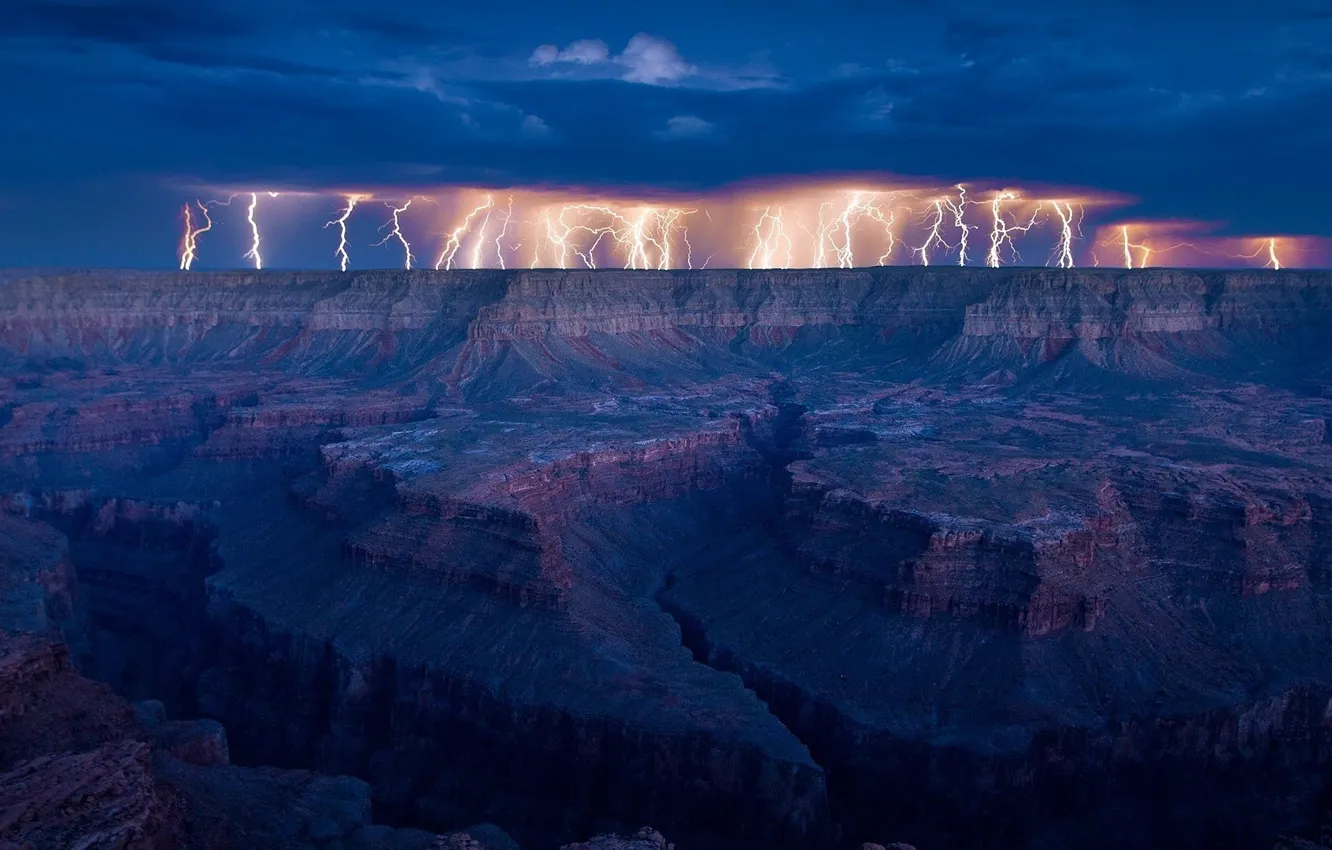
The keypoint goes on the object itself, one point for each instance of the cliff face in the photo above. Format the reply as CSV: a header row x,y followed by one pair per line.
x,y
554,322
961,556
82,768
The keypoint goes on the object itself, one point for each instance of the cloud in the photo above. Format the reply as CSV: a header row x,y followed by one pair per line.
x,y
686,127
346,101
645,59
653,61
534,126
586,51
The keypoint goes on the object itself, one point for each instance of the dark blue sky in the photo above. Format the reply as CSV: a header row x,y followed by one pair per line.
x,y
1206,109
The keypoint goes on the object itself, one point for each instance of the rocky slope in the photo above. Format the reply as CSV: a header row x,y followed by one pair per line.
x,y
986,558
82,768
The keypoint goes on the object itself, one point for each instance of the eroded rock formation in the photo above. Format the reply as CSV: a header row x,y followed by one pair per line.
x,y
1009,558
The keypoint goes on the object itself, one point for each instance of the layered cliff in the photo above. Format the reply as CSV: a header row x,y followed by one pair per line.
x,y
82,768
780,558
528,326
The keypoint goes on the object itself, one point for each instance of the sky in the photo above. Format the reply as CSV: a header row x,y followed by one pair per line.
x,y
118,111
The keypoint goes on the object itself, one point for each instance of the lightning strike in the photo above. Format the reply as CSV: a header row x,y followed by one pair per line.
x,y
1129,247
253,253
1002,231
834,234
341,222
887,219
1139,254
935,235
964,229
1268,247
481,237
768,242
644,237
1069,224
508,217
396,233
190,243
189,248
455,240
816,227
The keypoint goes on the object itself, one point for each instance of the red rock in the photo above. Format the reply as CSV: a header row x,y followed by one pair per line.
x,y
970,535
102,799
46,707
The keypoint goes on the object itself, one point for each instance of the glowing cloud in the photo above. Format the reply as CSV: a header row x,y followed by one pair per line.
x,y
801,226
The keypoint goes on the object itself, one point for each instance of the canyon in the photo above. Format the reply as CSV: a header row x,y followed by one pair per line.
x,y
987,558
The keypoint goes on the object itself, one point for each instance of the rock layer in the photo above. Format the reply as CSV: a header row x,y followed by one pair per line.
x,y
1000,558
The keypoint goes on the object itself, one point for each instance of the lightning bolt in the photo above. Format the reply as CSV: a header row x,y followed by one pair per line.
x,y
550,237
1268,247
1128,250
396,232
455,239
341,222
653,230
1122,241
1002,232
596,232
253,253
841,228
824,236
636,240
1129,247
644,241
935,235
1069,223
481,237
767,243
834,233
935,218
887,219
557,239
963,228
189,247
508,217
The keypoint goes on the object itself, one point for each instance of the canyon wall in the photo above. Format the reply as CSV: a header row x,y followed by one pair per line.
x,y
998,558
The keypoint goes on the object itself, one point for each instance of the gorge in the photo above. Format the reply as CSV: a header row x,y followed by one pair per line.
x,y
1010,558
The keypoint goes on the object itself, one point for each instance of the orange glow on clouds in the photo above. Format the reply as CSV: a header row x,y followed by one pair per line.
x,y
840,224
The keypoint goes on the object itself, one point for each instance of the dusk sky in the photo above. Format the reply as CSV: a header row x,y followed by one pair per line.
x,y
117,112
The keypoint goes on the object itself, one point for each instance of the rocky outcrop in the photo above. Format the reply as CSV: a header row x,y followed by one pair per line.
x,y
46,707
926,566
966,556
508,525
103,799
141,568
38,589
80,769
